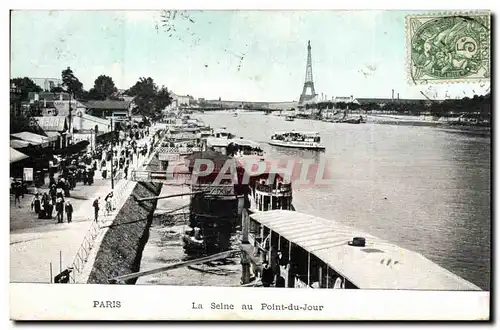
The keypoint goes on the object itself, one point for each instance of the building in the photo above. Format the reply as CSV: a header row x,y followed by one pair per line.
x,y
345,99
54,104
106,109
55,127
47,83
182,100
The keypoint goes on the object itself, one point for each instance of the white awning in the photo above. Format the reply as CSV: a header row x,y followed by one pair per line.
x,y
33,138
378,265
16,156
18,144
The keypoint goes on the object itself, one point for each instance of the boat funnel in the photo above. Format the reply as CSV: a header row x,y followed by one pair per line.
x,y
357,241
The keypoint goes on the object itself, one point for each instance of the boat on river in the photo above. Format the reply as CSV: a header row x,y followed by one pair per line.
x,y
215,212
297,139
289,118
320,253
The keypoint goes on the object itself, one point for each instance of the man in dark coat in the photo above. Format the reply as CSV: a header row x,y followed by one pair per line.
x,y
17,193
69,211
60,209
95,205
267,275
280,282
49,208
36,204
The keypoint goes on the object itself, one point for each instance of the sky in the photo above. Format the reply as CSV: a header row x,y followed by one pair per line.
x,y
359,53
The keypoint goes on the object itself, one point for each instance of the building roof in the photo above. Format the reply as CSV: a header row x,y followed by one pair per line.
x,y
49,96
217,142
53,134
94,119
378,265
32,138
107,104
16,144
52,123
16,156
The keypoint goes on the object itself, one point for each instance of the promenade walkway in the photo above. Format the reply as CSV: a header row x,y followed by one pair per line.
x,y
39,248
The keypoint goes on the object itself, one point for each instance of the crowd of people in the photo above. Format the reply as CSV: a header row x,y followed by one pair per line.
x,y
120,155
44,204
64,173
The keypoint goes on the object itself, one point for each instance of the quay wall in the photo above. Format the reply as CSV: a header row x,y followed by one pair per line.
x,y
121,248
120,251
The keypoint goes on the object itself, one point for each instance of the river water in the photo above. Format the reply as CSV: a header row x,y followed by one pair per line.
x,y
423,188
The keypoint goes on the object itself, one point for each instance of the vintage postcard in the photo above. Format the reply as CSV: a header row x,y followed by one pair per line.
x,y
250,165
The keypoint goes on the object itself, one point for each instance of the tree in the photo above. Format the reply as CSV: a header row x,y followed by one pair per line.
x,y
24,86
144,91
149,99
21,120
72,84
341,105
57,89
104,88
163,99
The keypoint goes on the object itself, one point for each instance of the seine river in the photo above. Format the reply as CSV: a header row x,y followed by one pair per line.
x,y
423,188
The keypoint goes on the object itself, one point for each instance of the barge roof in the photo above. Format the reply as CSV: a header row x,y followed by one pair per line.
x,y
378,265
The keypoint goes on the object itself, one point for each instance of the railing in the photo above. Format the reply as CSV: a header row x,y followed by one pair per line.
x,y
83,251
178,150
284,188
217,190
160,177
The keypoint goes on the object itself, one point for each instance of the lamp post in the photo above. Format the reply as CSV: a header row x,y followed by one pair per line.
x,y
112,154
16,91
70,119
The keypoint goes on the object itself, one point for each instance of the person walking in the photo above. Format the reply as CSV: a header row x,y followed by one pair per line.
x,y
125,170
36,204
49,208
109,203
59,209
17,193
96,208
69,211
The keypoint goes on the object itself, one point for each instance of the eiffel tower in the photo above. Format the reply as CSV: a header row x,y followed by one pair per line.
x,y
304,97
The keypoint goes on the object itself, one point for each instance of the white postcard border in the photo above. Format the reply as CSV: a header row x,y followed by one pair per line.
x,y
39,301
148,302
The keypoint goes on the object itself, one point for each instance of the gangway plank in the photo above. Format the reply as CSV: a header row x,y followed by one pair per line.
x,y
217,256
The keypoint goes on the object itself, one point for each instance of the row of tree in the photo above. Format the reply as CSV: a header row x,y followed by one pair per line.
x,y
149,98
478,105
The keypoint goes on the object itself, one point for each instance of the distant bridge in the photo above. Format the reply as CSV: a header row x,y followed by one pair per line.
x,y
246,105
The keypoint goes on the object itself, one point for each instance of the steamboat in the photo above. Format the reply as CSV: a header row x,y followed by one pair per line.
x,y
297,139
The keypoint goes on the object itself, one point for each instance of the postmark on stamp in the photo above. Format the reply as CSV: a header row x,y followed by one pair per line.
x,y
448,48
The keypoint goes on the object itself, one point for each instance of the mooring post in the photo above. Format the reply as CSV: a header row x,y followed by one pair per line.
x,y
245,226
245,267
245,262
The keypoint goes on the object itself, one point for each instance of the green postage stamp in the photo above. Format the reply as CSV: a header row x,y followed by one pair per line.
x,y
449,47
